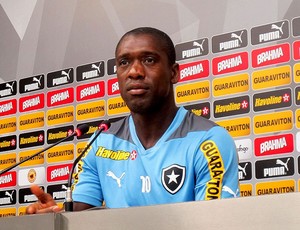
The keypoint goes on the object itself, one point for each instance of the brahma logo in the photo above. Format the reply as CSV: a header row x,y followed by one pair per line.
x,y
8,107
296,49
272,145
271,55
191,49
90,91
8,179
32,102
230,63
60,97
60,77
113,86
58,172
194,70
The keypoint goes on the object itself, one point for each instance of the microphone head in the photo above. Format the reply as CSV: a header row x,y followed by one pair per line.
x,y
81,129
105,125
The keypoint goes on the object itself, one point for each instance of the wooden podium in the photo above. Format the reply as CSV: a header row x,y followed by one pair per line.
x,y
280,211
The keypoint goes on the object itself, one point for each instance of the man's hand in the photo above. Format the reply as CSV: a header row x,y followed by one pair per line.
x,y
45,203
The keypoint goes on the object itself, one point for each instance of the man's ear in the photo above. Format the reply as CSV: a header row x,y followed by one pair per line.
x,y
175,73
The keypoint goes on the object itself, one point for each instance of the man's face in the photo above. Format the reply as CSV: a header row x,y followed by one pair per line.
x,y
145,76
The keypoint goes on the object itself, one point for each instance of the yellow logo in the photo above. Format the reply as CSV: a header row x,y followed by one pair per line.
x,y
5,212
37,160
8,125
113,155
231,85
297,113
236,127
60,116
116,106
246,190
272,122
22,211
60,153
192,92
275,187
7,160
80,147
297,72
216,169
269,78
30,121
95,109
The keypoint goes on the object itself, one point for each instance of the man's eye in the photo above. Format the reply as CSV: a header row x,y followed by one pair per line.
x,y
149,60
123,62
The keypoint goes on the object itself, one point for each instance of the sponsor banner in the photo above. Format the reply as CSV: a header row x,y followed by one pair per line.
x,y
296,26
90,110
272,100
237,127
8,125
37,160
229,41
8,179
246,190
80,146
8,143
32,139
113,87
58,172
8,197
90,71
270,78
193,70
200,109
192,49
31,84
31,176
230,63
60,153
93,127
270,32
296,72
57,191
273,145
31,121
8,89
192,92
297,95
111,66
26,196
244,149
6,212
7,159
57,134
273,122
31,103
275,187
271,55
61,77
245,171
278,167
231,85
8,107
296,50
60,115
297,114
298,142
90,91
22,210
116,106
60,97
232,106
299,166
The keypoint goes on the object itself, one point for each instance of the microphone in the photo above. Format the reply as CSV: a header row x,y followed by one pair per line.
x,y
82,129
68,204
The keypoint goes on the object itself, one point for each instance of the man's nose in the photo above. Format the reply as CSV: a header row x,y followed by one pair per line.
x,y
136,70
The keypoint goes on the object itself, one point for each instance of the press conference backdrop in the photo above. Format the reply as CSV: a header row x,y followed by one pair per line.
x,y
239,66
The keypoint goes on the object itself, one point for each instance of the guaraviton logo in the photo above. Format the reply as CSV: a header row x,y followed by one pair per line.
x,y
60,115
275,187
230,63
116,106
30,121
237,126
94,109
60,153
8,125
192,92
192,49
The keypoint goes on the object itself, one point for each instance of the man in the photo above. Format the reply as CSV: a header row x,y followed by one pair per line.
x,y
160,153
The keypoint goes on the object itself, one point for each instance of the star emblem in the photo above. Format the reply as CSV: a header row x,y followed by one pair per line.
x,y
172,177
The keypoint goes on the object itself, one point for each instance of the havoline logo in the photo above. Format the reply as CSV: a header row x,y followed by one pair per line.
x,y
229,41
31,84
57,134
272,100
270,32
296,26
93,127
200,109
8,143
90,71
8,89
31,139
61,77
8,197
278,167
231,106
245,171
191,49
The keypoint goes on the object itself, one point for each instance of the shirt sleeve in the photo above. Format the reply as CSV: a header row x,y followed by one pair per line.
x,y
216,166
